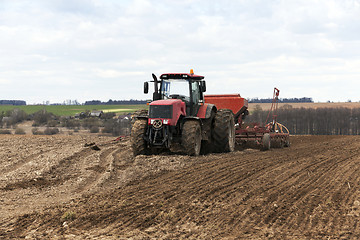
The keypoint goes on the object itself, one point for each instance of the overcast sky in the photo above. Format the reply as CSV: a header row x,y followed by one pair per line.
x,y
101,49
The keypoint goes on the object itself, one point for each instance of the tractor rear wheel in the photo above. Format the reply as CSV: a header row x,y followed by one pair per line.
x,y
191,138
138,142
223,132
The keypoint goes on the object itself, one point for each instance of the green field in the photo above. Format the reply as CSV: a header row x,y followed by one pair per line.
x,y
71,110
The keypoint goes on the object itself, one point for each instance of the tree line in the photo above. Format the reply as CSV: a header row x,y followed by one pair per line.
x,y
319,121
12,102
75,102
281,100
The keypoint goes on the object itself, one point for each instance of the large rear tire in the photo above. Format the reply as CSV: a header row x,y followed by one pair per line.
x,y
205,148
137,140
191,138
223,132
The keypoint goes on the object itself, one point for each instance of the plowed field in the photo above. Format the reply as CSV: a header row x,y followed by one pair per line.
x,y
55,188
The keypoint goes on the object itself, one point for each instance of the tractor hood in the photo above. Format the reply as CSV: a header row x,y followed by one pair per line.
x,y
170,109
167,102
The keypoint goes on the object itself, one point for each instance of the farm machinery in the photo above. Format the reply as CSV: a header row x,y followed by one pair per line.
x,y
180,114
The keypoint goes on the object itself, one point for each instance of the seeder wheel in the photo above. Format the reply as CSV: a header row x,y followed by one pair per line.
x,y
266,142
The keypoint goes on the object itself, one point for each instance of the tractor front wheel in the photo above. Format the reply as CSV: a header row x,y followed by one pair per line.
x,y
137,140
191,138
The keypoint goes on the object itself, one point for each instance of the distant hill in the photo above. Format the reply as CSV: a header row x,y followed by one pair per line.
x,y
12,102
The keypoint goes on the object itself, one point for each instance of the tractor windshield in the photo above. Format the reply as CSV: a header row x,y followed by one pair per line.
x,y
176,88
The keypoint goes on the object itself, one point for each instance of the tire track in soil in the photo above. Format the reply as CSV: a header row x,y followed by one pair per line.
x,y
22,162
65,170
57,174
25,145
248,176
328,167
216,185
123,157
271,193
306,191
101,172
52,186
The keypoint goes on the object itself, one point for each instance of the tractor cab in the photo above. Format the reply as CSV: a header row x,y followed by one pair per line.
x,y
186,87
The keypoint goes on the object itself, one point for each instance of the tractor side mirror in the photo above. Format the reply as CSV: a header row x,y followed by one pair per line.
x,y
146,87
203,86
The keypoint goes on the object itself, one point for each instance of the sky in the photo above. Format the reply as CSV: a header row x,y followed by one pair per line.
x,y
105,49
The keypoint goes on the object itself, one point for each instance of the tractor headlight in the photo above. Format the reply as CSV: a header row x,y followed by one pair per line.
x,y
166,121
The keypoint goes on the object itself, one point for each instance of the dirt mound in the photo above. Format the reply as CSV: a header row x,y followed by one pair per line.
x,y
54,187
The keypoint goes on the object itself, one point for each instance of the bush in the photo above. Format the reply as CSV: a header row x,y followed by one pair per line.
x,y
51,131
12,117
15,116
108,115
109,126
42,117
4,131
20,131
117,127
70,123
90,122
94,129
52,123
36,131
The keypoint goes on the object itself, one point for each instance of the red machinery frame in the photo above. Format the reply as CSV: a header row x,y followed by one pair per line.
x,y
278,133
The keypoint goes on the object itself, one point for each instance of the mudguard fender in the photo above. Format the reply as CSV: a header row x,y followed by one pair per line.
x,y
205,110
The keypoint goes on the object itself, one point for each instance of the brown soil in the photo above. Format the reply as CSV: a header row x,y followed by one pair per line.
x,y
52,187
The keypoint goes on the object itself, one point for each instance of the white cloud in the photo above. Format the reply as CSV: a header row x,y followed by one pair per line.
x,y
106,49
4,81
111,73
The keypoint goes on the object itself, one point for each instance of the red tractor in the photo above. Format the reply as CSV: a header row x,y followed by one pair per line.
x,y
181,114
178,114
